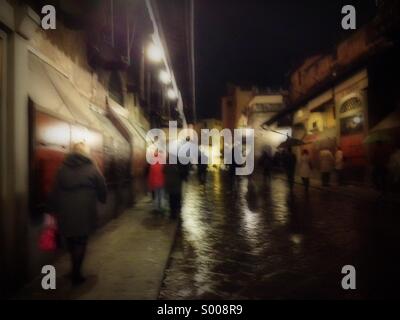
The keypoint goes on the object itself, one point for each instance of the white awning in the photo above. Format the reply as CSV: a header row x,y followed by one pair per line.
x,y
77,104
112,135
43,93
137,133
55,94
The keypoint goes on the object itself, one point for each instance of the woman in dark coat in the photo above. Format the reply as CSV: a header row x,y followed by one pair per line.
x,y
78,186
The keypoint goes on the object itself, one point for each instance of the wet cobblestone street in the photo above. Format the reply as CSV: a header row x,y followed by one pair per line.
x,y
251,239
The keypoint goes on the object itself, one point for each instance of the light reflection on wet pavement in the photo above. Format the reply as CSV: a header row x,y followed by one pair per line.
x,y
252,239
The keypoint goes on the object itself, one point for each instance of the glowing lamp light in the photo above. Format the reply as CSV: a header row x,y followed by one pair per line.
x,y
155,53
165,77
171,93
357,120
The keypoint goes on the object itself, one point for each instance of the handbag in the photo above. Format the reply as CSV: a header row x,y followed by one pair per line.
x,y
48,236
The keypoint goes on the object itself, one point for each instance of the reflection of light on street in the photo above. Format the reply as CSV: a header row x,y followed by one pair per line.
x,y
215,154
217,185
195,229
279,191
192,223
250,219
296,239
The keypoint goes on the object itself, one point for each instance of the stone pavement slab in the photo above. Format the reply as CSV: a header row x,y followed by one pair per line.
x,y
126,260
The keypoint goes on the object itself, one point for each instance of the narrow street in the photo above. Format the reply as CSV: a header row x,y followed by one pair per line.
x,y
256,241
134,136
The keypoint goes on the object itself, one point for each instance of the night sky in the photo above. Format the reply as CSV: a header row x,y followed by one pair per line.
x,y
259,42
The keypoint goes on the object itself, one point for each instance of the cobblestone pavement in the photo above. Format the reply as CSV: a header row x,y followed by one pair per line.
x,y
250,239
126,260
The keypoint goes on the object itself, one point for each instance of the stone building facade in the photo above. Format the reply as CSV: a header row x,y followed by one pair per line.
x,y
84,81
337,99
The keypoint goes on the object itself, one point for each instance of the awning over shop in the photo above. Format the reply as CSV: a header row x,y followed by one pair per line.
x,y
54,94
43,93
112,135
77,104
135,130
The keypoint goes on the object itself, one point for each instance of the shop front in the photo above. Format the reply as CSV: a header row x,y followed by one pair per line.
x,y
136,135
59,117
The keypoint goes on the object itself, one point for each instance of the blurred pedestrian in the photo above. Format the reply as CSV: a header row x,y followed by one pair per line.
x,y
147,171
78,186
173,186
305,169
339,165
289,162
156,180
266,163
326,166
202,167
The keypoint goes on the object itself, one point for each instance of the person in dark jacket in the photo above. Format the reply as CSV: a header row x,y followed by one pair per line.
x,y
202,168
266,164
289,162
78,186
173,185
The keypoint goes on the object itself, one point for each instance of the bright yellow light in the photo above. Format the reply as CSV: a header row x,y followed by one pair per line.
x,y
155,53
165,77
58,134
171,93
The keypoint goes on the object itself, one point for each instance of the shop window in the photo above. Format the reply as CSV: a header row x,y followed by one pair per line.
x,y
352,125
351,104
115,88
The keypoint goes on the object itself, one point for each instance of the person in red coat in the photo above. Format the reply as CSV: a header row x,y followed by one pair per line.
x,y
156,181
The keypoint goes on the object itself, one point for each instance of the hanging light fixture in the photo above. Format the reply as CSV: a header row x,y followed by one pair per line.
x,y
172,95
165,77
155,53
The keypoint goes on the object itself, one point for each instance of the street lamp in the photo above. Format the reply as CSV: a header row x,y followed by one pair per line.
x,y
155,53
357,120
171,94
165,77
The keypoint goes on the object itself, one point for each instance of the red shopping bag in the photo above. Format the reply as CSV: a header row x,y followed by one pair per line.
x,y
48,236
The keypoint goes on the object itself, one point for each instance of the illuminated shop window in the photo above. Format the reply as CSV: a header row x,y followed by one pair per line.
x,y
352,125
354,103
